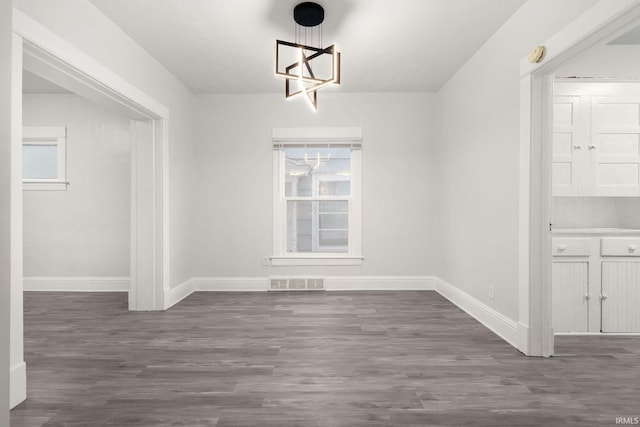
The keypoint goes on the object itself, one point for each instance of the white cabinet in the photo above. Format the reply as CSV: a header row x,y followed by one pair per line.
x,y
570,155
615,146
621,296
570,296
596,144
596,284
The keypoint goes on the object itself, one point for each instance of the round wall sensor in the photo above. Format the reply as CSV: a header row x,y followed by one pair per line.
x,y
537,54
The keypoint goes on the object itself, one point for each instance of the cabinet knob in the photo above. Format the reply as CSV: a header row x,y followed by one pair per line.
x,y
603,297
577,147
592,147
587,297
562,248
633,248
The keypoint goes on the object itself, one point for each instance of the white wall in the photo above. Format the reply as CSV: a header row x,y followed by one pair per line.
x,y
598,212
5,196
83,231
477,152
234,180
84,26
604,61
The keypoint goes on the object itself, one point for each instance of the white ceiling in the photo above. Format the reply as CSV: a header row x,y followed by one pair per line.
x,y
217,46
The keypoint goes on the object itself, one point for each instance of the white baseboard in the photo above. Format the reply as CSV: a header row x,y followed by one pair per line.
x,y
500,324
178,293
523,338
380,283
77,284
231,284
17,384
597,334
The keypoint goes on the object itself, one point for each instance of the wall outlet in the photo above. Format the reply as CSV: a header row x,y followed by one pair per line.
x,y
265,261
491,292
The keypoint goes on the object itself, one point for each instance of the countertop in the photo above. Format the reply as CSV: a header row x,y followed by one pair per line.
x,y
597,231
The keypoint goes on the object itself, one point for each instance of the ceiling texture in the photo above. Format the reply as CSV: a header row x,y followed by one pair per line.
x,y
216,46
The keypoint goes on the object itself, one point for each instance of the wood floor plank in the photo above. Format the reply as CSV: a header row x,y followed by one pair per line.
x,y
406,358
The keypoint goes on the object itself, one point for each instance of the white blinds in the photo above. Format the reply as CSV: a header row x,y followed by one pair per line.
x,y
326,137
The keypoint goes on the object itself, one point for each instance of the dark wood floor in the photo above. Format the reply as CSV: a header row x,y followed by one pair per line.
x,y
307,359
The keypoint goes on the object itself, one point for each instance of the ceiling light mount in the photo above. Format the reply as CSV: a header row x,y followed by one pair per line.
x,y
305,63
308,14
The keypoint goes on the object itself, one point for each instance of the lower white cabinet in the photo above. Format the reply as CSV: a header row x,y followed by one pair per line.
x,y
620,296
570,296
596,288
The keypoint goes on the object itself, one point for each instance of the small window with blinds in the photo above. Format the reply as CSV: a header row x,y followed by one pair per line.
x,y
317,206
44,158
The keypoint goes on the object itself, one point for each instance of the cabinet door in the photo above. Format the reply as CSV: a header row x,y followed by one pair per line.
x,y
570,286
569,148
615,146
620,296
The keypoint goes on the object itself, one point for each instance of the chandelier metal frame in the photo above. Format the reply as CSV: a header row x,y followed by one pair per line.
x,y
301,71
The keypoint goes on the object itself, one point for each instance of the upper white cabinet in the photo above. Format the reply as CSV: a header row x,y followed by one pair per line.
x,y
615,146
596,140
570,156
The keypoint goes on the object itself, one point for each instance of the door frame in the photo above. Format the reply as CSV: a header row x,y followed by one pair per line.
x,y
605,20
43,52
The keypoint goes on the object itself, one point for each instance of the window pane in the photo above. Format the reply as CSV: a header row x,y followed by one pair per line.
x,y
333,206
334,188
311,230
334,238
39,161
316,171
333,221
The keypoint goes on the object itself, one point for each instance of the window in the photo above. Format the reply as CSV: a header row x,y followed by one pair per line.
x,y
44,158
317,197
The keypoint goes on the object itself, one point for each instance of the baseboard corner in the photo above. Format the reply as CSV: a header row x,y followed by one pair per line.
x,y
523,338
498,323
17,384
176,294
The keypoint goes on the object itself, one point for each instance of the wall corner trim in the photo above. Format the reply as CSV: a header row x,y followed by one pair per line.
x,y
18,384
497,322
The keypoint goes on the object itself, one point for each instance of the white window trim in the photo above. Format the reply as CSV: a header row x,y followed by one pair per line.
x,y
334,136
48,135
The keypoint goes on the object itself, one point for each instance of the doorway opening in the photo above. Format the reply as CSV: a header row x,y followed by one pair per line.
x,y
597,27
42,53
76,191
596,191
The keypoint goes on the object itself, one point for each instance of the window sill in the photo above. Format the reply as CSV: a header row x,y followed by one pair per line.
x,y
44,186
321,260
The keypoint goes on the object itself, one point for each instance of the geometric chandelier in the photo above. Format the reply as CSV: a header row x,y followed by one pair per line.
x,y
305,65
